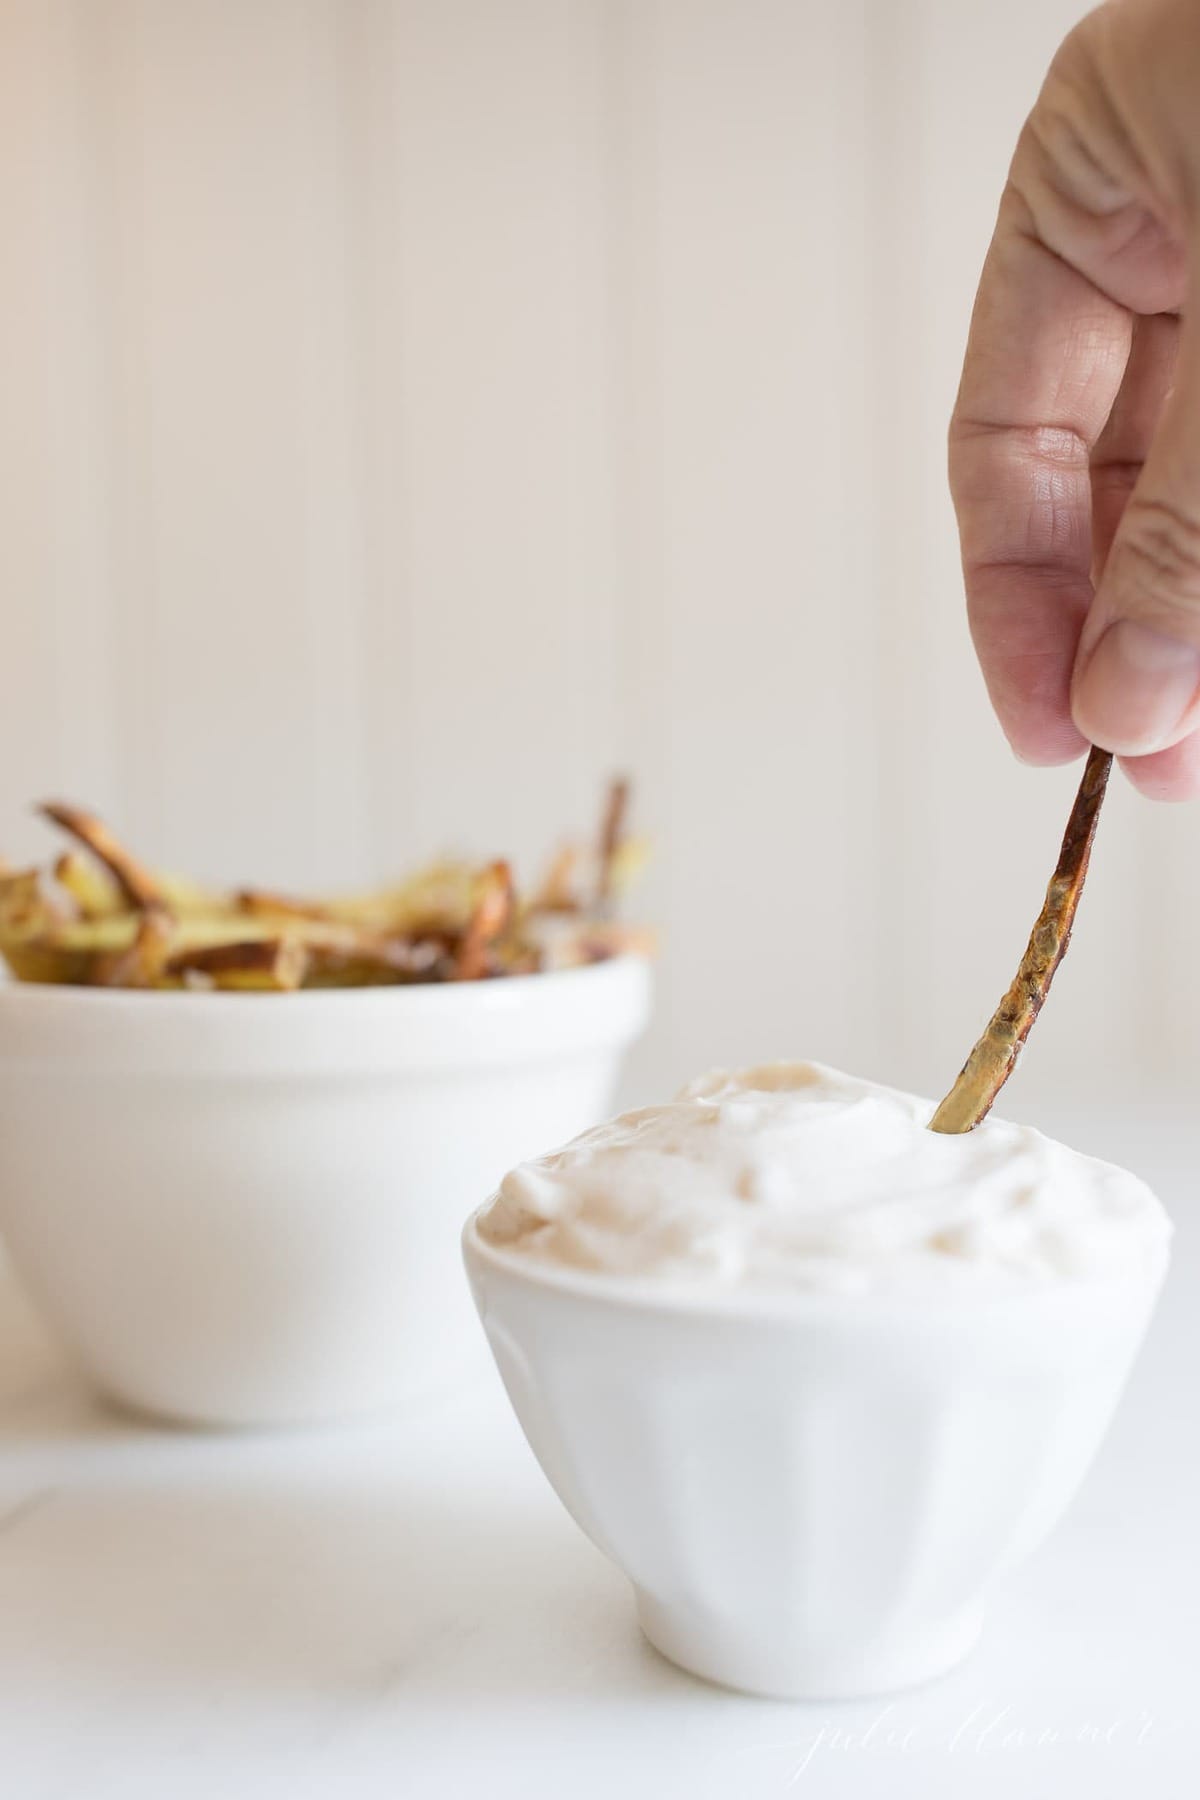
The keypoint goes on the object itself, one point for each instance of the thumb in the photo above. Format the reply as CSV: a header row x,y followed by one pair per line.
x,y
1136,684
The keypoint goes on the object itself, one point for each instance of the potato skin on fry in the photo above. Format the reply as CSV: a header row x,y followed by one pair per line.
x,y
279,963
259,903
140,888
489,920
141,965
47,966
30,905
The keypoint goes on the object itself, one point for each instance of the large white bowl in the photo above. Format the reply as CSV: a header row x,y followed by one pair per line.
x,y
245,1208
812,1495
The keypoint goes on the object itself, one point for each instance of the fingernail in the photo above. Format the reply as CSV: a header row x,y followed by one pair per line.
x,y
1136,688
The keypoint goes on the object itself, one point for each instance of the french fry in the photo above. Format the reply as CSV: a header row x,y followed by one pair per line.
x,y
31,906
345,954
995,1055
558,892
612,834
95,892
627,865
100,918
184,897
436,899
255,963
48,965
142,964
490,918
383,963
140,888
263,904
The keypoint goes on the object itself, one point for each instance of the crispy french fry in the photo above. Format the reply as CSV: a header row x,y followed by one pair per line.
x,y
261,903
93,889
48,965
377,964
140,888
436,899
279,963
30,906
628,864
142,964
343,954
612,833
490,918
994,1057
184,897
558,891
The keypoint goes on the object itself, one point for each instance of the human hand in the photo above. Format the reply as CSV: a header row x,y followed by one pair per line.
x,y
1075,442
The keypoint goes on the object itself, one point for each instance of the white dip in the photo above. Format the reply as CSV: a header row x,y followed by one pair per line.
x,y
795,1176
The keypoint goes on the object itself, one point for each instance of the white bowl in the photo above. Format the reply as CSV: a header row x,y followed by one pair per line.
x,y
812,1495
244,1208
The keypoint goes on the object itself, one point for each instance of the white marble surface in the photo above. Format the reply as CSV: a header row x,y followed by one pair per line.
x,y
404,1611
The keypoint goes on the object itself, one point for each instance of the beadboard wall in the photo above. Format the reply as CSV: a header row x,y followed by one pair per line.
x,y
411,410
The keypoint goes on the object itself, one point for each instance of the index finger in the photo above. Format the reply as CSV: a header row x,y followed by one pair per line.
x,y
1045,357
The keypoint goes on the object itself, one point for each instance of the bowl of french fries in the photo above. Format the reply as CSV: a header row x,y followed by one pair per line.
x,y
238,1129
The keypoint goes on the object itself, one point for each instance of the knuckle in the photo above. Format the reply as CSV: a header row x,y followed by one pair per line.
x,y
1023,445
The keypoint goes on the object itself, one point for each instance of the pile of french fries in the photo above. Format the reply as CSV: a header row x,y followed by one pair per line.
x,y
99,918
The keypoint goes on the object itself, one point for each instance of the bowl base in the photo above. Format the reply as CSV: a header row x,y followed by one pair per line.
x,y
216,1408
719,1653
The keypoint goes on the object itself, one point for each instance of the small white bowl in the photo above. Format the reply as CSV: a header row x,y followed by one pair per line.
x,y
812,1495
244,1208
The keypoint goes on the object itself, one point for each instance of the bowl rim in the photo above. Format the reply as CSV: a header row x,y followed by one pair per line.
x,y
433,1029
698,1299
415,996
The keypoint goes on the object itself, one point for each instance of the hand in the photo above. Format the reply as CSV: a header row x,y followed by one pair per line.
x,y
1075,443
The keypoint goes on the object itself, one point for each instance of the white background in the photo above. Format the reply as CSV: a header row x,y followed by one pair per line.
x,y
413,409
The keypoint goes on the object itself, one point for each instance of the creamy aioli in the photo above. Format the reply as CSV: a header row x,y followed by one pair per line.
x,y
794,1175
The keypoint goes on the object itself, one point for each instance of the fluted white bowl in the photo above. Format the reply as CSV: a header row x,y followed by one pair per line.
x,y
812,1495
244,1208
